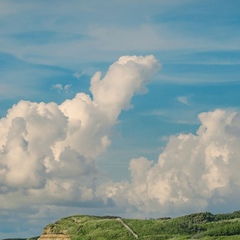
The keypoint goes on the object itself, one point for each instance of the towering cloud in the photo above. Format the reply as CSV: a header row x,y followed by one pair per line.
x,y
48,151
124,78
193,172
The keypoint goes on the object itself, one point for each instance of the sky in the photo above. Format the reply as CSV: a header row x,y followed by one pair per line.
x,y
124,108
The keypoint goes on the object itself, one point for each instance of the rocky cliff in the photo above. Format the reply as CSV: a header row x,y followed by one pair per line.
x,y
51,233
54,237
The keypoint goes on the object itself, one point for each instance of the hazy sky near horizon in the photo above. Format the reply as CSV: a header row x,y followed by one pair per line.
x,y
127,108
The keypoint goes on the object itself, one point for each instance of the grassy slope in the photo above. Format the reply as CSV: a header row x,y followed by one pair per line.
x,y
194,226
88,227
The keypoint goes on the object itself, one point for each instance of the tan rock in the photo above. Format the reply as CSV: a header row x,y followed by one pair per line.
x,y
54,237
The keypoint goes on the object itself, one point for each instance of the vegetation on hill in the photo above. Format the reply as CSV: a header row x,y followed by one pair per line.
x,y
193,226
89,227
203,226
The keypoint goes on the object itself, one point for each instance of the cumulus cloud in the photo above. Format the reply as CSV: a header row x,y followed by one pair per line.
x,y
48,151
193,172
112,95
60,87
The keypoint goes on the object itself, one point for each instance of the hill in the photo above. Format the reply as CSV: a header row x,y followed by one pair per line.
x,y
194,226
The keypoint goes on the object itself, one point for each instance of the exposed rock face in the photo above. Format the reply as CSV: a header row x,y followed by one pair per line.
x,y
50,233
54,237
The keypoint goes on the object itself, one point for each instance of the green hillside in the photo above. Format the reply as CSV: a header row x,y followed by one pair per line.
x,y
193,226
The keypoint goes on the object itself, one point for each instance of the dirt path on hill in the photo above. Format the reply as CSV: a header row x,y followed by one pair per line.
x,y
127,227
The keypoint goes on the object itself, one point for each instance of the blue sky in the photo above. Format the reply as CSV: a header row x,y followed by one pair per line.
x,y
155,132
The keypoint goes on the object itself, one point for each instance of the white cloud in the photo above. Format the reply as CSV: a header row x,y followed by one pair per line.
x,y
183,100
192,173
113,94
48,151
66,87
77,75
60,87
